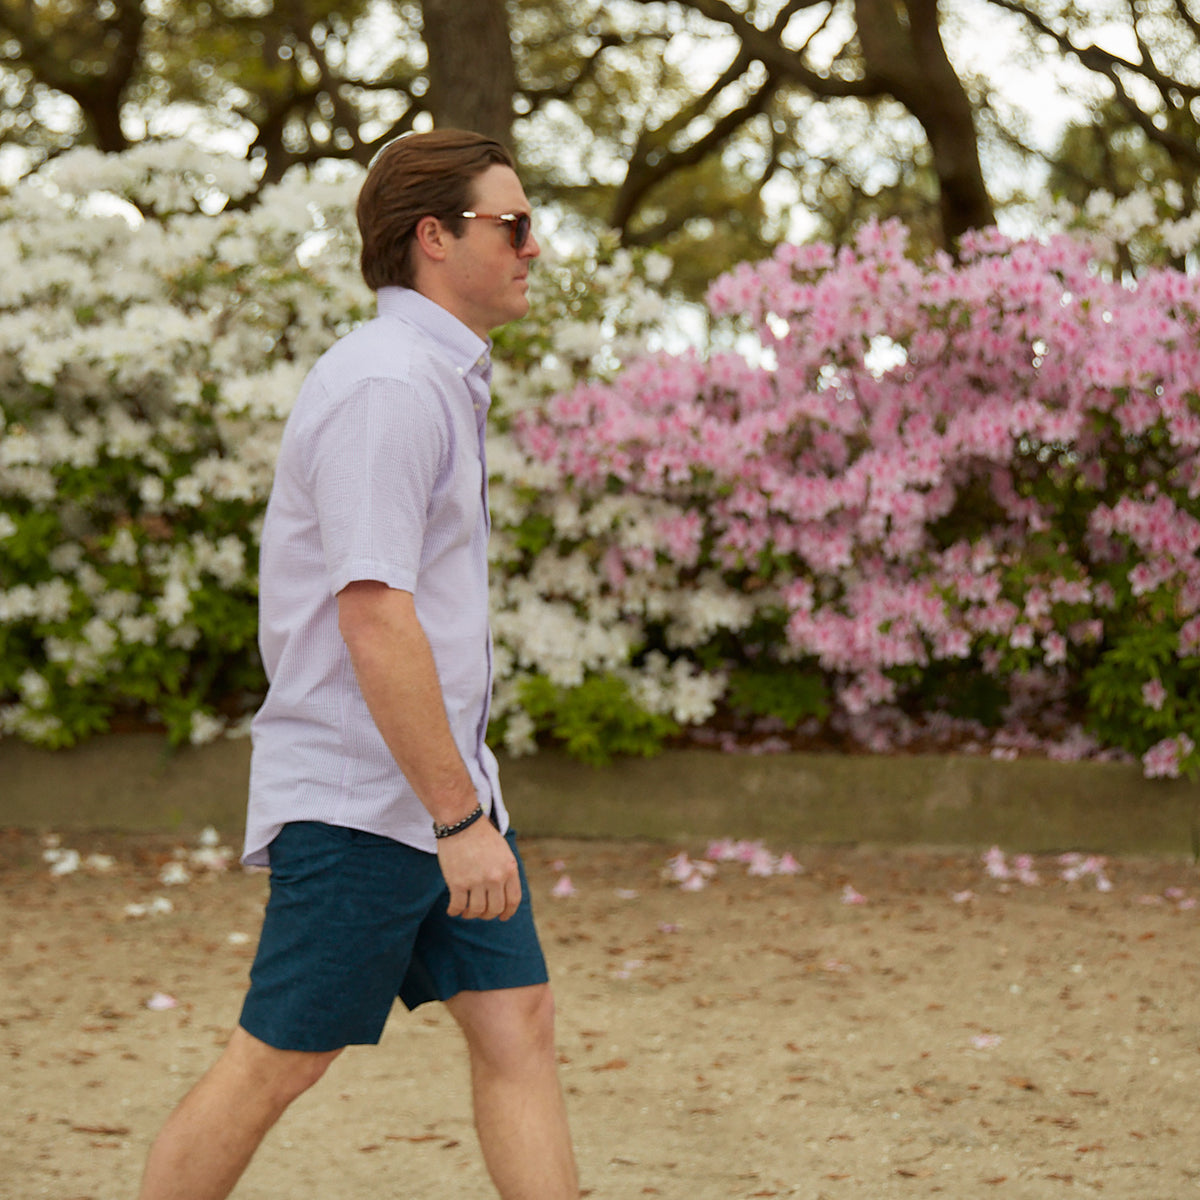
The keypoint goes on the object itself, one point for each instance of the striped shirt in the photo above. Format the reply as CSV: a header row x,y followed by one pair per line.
x,y
381,476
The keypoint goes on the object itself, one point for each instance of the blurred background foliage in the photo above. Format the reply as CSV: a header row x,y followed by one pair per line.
x,y
710,129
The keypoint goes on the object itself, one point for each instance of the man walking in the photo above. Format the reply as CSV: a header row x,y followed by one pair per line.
x,y
373,797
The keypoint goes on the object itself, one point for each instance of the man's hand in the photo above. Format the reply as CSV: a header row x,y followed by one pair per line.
x,y
481,873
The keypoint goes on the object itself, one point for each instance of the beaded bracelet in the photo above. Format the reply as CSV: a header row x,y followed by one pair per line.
x,y
445,831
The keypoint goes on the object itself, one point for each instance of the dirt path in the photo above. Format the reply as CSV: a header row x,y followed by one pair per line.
x,y
880,1024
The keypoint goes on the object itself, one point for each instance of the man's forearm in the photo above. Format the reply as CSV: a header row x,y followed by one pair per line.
x,y
399,681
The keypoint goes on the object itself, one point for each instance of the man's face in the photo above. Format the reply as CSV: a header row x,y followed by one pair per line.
x,y
485,280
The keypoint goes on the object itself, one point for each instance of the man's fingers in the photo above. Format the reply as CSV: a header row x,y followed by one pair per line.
x,y
512,897
458,902
487,902
481,873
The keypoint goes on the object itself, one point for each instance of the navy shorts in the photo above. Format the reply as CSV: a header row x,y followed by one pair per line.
x,y
355,920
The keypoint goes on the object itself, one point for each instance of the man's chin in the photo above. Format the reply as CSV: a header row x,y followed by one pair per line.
x,y
515,313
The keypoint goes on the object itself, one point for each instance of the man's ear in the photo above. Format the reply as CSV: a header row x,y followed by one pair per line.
x,y
431,238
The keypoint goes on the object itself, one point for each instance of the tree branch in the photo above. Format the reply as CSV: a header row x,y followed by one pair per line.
x,y
1095,58
649,164
765,46
538,97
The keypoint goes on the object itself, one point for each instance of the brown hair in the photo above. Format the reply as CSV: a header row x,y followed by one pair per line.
x,y
418,175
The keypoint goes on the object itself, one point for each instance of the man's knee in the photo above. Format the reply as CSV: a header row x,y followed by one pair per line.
x,y
279,1075
507,1026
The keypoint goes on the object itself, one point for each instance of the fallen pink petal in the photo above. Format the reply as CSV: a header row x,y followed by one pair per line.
x,y
563,887
995,864
723,850
762,864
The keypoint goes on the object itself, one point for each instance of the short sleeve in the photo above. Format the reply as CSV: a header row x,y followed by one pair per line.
x,y
374,461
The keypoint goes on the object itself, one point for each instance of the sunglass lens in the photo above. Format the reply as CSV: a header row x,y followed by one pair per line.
x,y
520,230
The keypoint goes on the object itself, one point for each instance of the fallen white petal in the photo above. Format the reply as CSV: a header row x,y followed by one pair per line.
x,y
65,862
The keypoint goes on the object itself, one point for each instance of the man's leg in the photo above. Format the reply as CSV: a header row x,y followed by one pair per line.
x,y
209,1139
519,1110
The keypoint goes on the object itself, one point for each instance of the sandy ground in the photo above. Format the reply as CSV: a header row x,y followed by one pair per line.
x,y
879,1024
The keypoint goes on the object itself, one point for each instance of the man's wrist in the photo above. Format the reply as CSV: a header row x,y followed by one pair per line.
x,y
444,831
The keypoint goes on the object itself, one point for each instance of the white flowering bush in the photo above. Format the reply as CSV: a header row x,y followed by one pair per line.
x,y
148,349
940,500
153,336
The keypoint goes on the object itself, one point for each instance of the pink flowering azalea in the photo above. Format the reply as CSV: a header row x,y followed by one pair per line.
x,y
933,468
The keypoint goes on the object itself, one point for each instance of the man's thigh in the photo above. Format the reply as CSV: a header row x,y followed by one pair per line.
x,y
344,914
354,921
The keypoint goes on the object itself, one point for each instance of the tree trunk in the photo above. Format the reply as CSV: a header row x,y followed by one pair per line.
x,y
909,58
472,77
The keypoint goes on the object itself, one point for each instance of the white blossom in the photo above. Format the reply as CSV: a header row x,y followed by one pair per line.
x,y
33,688
123,548
175,603
205,727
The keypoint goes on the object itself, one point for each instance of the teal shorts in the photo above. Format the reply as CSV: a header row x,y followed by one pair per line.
x,y
355,921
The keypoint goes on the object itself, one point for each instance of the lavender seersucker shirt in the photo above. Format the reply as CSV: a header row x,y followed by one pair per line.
x,y
381,475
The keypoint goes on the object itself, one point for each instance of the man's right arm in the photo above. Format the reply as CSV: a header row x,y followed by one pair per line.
x,y
398,678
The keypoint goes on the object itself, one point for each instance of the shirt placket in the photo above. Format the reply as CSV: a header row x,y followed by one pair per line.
x,y
479,380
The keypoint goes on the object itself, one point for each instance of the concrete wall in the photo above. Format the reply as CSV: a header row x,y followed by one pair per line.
x,y
136,782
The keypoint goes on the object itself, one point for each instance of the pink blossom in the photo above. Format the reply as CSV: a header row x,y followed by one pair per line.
x,y
995,864
1163,759
691,876
1054,649
762,864
1022,637
1024,870
1189,637
723,850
